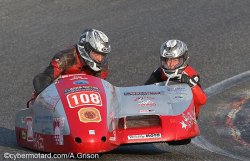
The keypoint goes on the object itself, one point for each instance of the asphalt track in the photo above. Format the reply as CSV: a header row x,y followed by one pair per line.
x,y
216,32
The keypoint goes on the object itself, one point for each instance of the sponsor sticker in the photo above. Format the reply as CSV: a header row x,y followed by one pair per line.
x,y
145,101
38,142
144,136
112,138
80,82
142,98
23,134
29,129
58,125
77,77
176,89
89,115
188,120
81,88
141,93
146,111
91,132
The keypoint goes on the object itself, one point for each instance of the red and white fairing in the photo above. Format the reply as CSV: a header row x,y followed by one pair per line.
x,y
85,114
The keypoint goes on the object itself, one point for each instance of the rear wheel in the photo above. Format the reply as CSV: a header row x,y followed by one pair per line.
x,y
179,142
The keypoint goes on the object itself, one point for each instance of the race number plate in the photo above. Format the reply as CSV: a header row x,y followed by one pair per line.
x,y
84,98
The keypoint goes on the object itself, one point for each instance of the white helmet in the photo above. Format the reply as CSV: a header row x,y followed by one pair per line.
x,y
93,40
173,49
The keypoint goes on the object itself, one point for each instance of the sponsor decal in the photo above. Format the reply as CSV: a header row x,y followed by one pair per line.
x,y
112,138
141,93
84,98
81,88
188,120
142,98
38,142
112,127
29,129
146,111
23,134
183,125
89,115
91,132
179,96
58,125
144,136
145,101
77,77
176,89
79,82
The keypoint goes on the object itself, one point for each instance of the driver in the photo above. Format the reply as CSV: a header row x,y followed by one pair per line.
x,y
174,58
88,56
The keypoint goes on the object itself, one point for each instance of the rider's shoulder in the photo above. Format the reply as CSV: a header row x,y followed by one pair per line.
x,y
190,71
67,52
65,57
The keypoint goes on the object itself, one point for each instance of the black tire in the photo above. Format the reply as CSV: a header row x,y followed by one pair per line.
x,y
180,142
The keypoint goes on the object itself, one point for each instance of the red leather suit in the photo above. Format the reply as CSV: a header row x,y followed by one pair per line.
x,y
65,62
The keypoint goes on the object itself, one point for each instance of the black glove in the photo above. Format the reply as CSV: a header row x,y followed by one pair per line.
x,y
191,81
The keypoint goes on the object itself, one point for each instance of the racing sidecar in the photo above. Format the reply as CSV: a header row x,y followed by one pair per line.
x,y
85,114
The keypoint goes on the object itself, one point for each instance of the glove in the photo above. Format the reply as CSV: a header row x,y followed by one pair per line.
x,y
191,81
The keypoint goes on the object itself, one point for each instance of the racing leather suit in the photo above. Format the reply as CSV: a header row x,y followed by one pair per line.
x,y
67,61
198,94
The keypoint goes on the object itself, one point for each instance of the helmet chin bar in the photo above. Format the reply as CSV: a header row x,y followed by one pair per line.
x,y
93,66
173,75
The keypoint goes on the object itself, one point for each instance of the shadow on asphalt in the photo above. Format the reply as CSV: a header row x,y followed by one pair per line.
x,y
141,149
8,138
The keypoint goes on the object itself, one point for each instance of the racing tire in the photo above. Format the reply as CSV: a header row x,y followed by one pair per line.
x,y
179,142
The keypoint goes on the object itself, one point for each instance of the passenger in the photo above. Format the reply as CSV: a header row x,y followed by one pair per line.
x,y
174,59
